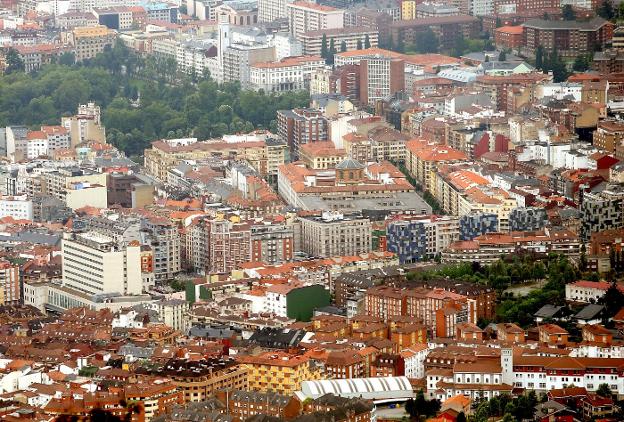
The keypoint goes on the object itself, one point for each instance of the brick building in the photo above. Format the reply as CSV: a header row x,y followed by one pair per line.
x,y
568,38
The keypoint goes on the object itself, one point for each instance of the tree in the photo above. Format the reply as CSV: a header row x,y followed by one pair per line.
x,y
499,22
558,67
400,44
581,64
604,390
68,58
367,43
620,12
427,42
332,52
546,16
14,62
359,44
539,58
461,417
568,12
605,10
343,46
324,50
583,258
502,56
612,300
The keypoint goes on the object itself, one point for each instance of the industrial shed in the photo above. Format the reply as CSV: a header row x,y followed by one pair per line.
x,y
381,389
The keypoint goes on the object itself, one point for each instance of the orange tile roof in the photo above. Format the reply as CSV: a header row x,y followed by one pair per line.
x,y
314,6
288,62
514,30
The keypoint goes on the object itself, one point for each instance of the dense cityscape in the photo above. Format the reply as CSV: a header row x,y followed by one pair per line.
x,y
311,210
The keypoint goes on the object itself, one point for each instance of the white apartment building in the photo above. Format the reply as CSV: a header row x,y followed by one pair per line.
x,y
286,46
481,7
172,313
586,291
305,16
271,10
334,234
414,358
17,207
204,10
291,73
96,264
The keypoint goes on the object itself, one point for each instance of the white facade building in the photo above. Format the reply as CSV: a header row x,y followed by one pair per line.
x,y
17,207
95,264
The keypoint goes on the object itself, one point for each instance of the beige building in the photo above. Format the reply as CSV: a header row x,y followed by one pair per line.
x,y
86,125
94,263
321,155
279,372
80,195
306,16
265,156
57,183
313,40
334,234
462,192
320,81
89,41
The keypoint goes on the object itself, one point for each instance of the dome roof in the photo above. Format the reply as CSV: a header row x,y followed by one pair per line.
x,y
350,164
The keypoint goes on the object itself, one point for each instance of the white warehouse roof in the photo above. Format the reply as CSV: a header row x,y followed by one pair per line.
x,y
377,389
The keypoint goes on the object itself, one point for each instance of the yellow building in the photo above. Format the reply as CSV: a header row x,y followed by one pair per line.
x,y
279,372
321,155
89,41
423,158
461,192
408,9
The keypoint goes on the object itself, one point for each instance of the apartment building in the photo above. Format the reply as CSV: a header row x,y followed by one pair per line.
x,y
305,16
272,10
57,183
239,57
446,29
335,234
298,127
279,372
16,207
527,219
164,238
416,238
272,243
380,77
476,224
488,248
89,41
608,135
200,380
10,284
229,245
584,291
351,36
95,264
423,158
117,18
602,210
264,155
290,73
568,38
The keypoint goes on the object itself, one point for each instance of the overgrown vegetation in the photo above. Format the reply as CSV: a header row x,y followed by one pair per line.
x,y
142,99
510,409
555,269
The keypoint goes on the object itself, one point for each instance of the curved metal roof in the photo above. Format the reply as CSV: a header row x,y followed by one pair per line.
x,y
370,388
